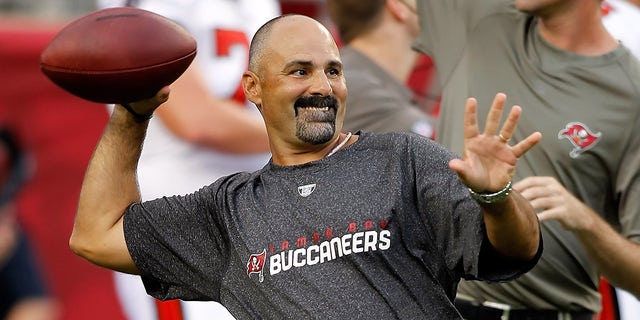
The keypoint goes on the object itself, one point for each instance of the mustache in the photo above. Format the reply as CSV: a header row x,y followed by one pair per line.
x,y
316,101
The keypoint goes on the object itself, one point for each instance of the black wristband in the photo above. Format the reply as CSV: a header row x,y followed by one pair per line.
x,y
138,117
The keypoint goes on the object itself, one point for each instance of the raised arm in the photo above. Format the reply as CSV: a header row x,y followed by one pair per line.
x,y
487,166
110,186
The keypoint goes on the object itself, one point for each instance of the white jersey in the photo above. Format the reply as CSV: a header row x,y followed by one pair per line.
x,y
223,30
169,165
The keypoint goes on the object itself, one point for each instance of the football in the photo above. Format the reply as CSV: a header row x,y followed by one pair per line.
x,y
118,55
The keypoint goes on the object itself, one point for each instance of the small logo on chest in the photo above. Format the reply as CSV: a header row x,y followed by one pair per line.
x,y
580,136
306,190
256,264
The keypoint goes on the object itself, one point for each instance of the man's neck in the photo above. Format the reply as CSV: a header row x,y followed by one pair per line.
x,y
578,31
295,155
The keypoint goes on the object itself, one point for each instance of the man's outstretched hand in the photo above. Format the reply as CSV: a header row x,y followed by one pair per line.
x,y
488,161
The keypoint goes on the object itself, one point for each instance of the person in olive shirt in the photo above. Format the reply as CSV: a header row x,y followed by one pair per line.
x,y
378,60
579,87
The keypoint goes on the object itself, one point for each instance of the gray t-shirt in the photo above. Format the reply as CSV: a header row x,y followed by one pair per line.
x,y
382,229
587,109
378,102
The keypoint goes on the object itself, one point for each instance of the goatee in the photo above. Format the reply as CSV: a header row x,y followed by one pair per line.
x,y
316,118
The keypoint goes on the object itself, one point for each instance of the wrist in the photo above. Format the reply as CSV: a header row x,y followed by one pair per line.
x,y
491,197
137,116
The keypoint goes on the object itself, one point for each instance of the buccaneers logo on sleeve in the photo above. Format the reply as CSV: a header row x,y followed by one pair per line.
x,y
580,136
256,264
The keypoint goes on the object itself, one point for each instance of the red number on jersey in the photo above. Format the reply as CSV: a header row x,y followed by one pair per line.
x,y
226,39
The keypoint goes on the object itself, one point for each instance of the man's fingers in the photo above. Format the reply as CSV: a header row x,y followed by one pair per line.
x,y
458,166
523,146
495,114
471,119
147,106
546,215
531,182
163,95
509,126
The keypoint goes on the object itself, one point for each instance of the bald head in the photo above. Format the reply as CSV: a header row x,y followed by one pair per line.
x,y
295,79
278,27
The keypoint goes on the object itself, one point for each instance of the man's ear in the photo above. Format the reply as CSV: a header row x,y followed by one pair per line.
x,y
398,10
251,87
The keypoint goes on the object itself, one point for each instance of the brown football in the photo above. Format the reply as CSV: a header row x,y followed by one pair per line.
x,y
118,55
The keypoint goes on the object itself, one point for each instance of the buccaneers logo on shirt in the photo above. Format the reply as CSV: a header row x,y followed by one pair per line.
x,y
256,264
580,136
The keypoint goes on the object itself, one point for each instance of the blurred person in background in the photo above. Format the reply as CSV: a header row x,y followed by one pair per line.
x,y
581,88
207,130
23,294
378,60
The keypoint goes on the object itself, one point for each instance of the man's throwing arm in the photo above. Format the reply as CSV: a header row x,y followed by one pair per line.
x,y
110,186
